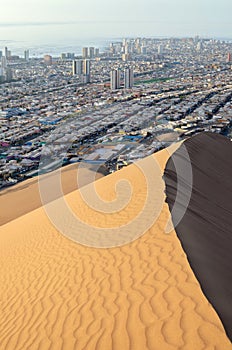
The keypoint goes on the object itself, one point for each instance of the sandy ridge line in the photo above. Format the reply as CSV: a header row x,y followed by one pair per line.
x,y
59,295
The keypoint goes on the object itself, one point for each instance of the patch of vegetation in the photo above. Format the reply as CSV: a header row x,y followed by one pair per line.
x,y
150,81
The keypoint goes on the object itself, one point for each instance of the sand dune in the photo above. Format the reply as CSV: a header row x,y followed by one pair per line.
x,y
205,229
57,294
25,196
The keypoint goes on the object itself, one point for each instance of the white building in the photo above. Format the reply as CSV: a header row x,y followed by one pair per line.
x,y
115,79
128,78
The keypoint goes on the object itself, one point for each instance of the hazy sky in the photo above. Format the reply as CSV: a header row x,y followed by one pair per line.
x,y
100,18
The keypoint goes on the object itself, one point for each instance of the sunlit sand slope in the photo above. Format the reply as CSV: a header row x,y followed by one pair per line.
x,y
57,294
25,196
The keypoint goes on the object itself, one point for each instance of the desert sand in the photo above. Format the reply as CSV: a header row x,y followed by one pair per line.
x,y
58,294
24,197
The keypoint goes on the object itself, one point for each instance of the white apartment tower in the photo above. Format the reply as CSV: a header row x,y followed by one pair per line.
x,y
128,78
82,68
115,79
86,71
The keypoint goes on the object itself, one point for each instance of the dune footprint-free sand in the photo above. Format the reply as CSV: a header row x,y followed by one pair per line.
x,y
57,294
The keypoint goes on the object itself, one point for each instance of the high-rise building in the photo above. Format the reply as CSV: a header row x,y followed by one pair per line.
x,y
86,71
83,69
85,52
26,55
6,52
74,67
70,55
124,42
128,78
0,54
115,79
79,67
160,49
9,74
91,52
3,62
97,52
86,67
138,45
127,49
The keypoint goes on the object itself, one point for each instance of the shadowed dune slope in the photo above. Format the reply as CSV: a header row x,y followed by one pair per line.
x,y
59,295
205,231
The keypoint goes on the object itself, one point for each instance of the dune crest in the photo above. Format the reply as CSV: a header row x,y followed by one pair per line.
x,y
57,294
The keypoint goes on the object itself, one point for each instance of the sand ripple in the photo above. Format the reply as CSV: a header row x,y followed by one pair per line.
x,y
56,294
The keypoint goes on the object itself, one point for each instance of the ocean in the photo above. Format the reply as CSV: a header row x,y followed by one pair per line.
x,y
51,39
54,48
55,38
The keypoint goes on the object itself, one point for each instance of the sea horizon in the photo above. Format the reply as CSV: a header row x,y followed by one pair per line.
x,y
56,38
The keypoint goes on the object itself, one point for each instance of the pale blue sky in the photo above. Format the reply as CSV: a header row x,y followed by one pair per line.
x,y
115,18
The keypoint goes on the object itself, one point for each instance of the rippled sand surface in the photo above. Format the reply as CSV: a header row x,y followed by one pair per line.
x,y
58,294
